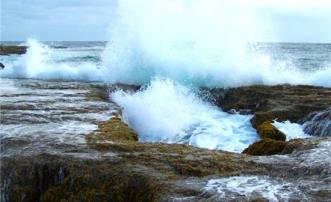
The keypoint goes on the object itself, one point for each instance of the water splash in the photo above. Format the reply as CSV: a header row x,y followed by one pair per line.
x,y
166,111
204,43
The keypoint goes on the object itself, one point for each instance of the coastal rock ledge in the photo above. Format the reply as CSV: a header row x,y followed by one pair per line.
x,y
113,166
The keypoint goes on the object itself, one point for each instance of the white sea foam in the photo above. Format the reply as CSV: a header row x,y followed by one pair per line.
x,y
291,130
166,111
271,189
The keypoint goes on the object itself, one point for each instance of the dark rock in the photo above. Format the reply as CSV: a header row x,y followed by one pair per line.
x,y
281,102
232,111
7,50
265,147
2,66
318,123
245,111
267,130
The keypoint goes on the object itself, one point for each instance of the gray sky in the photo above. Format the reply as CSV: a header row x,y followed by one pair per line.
x,y
292,20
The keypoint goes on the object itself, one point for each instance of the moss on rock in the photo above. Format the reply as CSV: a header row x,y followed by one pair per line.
x,y
113,130
116,185
267,130
265,147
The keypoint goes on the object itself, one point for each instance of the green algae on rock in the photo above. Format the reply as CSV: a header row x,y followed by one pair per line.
x,y
267,130
113,130
265,147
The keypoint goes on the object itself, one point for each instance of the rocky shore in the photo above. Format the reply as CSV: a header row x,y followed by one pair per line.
x,y
112,165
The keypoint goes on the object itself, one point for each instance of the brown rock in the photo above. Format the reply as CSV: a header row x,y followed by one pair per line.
x,y
267,130
113,130
265,147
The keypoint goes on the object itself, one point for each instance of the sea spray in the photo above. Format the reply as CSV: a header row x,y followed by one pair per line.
x,y
44,62
166,111
199,42
205,43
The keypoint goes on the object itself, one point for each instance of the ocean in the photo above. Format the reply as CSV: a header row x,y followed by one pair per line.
x,y
294,63
168,108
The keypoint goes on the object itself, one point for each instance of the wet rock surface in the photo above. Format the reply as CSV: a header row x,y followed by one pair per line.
x,y
318,123
109,164
49,116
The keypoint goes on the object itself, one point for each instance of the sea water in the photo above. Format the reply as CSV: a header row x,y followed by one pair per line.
x,y
172,48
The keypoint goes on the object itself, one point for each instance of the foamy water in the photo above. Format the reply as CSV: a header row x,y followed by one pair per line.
x,y
166,111
250,187
292,130
113,65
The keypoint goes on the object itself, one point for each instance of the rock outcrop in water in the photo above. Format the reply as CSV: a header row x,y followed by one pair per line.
x,y
265,147
267,131
113,166
272,141
8,50
318,123
281,102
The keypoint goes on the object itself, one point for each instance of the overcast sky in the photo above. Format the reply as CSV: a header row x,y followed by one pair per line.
x,y
50,20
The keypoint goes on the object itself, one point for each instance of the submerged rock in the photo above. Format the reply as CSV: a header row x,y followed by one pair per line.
x,y
318,123
7,50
